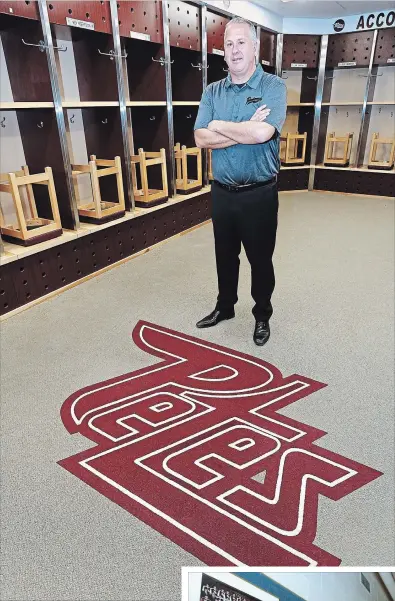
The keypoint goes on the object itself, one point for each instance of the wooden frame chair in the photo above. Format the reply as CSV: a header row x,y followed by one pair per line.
x,y
291,150
373,163
331,140
99,211
145,196
33,229
184,185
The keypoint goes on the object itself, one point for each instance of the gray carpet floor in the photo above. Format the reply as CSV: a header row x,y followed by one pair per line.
x,y
333,321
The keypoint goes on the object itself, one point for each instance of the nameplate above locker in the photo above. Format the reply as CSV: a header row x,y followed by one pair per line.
x,y
220,52
265,63
299,65
390,60
352,64
140,36
78,23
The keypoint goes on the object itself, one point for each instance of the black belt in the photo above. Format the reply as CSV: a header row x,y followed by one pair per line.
x,y
244,188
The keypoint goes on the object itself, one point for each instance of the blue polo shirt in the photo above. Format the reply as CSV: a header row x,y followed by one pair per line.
x,y
223,100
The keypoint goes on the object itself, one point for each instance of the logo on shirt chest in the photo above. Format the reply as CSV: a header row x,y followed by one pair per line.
x,y
251,100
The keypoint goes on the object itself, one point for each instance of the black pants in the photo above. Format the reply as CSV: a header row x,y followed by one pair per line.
x,y
248,218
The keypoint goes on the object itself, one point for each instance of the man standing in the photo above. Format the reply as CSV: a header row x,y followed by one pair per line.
x,y
240,118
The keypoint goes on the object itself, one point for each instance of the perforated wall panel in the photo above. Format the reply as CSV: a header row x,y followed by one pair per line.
x,y
350,47
27,9
96,12
141,19
355,182
301,49
215,32
184,25
385,49
293,179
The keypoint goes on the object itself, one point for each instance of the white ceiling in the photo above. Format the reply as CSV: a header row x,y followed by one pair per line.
x,y
324,8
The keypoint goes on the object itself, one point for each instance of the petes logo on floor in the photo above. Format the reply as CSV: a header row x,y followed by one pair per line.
x,y
194,447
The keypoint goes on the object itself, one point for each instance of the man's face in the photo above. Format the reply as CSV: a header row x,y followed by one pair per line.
x,y
239,48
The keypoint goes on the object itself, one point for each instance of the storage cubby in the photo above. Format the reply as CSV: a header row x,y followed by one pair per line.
x,y
145,64
94,131
94,15
301,51
340,120
379,119
150,132
344,86
30,137
24,61
186,75
141,20
354,48
267,51
87,68
184,120
184,25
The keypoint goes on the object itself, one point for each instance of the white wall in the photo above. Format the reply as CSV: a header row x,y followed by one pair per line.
x,y
311,586
323,26
257,14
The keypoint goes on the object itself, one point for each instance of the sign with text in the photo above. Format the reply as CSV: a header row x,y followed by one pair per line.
x,y
79,23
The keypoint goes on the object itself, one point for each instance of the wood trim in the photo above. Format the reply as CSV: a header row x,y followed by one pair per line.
x,y
25,105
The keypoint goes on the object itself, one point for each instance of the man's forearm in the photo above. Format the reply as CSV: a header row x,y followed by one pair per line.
x,y
246,132
205,138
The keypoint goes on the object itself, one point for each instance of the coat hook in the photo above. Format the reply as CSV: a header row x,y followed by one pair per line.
x,y
2,122
41,45
347,113
72,119
110,54
152,118
313,78
226,70
105,121
189,116
41,125
380,110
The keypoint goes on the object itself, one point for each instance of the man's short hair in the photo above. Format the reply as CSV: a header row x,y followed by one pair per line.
x,y
239,20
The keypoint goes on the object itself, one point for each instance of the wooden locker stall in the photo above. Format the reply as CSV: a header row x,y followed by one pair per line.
x,y
29,126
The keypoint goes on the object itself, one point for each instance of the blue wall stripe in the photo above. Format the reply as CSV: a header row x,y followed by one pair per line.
x,y
269,586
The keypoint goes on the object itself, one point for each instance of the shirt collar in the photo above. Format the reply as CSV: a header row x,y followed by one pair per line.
x,y
252,82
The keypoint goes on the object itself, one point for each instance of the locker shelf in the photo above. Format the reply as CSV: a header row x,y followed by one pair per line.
x,y
25,105
72,104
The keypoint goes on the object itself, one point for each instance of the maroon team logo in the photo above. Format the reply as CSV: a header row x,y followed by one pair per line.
x,y
195,447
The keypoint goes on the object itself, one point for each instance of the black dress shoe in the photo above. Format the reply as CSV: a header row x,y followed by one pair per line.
x,y
215,317
261,332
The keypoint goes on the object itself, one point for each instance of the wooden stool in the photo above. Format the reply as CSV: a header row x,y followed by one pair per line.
x,y
373,163
183,184
290,156
210,164
33,229
148,197
99,211
331,140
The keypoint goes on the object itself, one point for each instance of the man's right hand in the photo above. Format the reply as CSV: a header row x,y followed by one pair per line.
x,y
261,113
